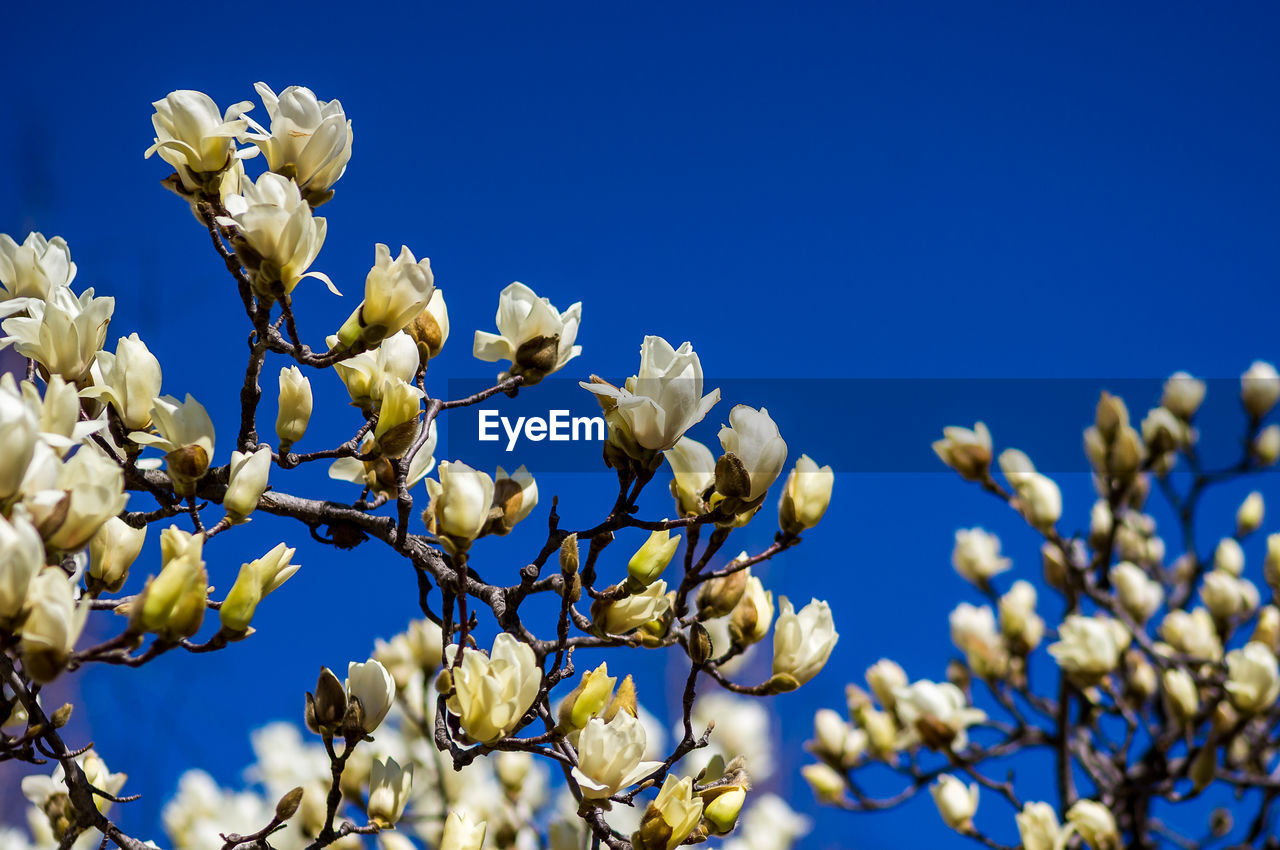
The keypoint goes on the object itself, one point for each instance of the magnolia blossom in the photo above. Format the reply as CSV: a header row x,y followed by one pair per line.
x,y
1227,596
88,491
1038,498
825,781
657,405
379,474
370,683
21,558
1039,829
973,631
1253,680
1089,647
806,496
19,434
395,293
802,642
647,564
1228,557
514,498
1259,388
430,327
57,412
532,334
885,678
492,692
194,138
389,786
1140,595
752,438
186,436
460,503
1018,619
1182,696
309,140
976,555
52,626
294,407
837,740
631,612
255,580
1266,446
112,550
672,817
750,619
693,469
1192,633
130,381
399,409
276,236
35,268
366,375
938,704
1095,824
63,333
1182,394
173,603
461,832
248,481
1250,514
610,756
956,802
967,452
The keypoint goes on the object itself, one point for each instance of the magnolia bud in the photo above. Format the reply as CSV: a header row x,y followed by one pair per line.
x,y
588,699
1229,557
1267,630
461,832
294,407
514,498
647,564
1259,389
956,803
1182,395
1181,697
430,329
718,596
1266,446
884,678
112,550
249,473
805,496
671,818
328,705
1249,516
750,619
826,782
967,452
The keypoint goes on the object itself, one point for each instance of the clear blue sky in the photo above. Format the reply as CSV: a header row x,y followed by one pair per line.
x,y
824,190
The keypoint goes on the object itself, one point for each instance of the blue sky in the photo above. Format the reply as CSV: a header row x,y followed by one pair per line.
x,y
817,191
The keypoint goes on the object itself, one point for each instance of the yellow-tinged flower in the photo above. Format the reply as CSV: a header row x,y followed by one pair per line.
x,y
806,496
1253,678
491,693
587,699
186,436
1095,824
275,235
173,603
21,559
967,452
536,337
620,616
130,381
693,470
255,580
34,268
1039,829
671,818
309,140
295,403
395,293
514,498
802,642
462,832
373,686
460,503
956,802
248,481
88,490
647,564
195,139
112,550
611,756
62,333
389,787
52,625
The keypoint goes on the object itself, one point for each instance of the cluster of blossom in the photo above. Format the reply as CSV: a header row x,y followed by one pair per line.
x,y
78,430
504,802
1149,708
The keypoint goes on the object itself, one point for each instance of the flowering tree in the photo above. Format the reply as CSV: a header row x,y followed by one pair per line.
x,y
478,694
1162,685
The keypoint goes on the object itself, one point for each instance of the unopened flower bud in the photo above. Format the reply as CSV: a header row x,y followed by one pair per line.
x,y
112,550
647,564
1266,446
1249,516
295,403
1259,389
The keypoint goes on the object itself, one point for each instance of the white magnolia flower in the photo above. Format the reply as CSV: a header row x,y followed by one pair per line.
x,y
973,631
656,406
276,236
1182,395
373,686
806,496
430,328
194,138
610,756
673,816
366,374
752,437
130,381
885,678
532,334
88,490
112,550
460,503
309,140
380,475
514,496
21,559
1228,557
1250,514
294,407
693,468
1260,388
802,642
1038,498
1182,696
63,333
1018,619
492,692
1253,680
35,268
1140,595
937,703
1192,633
19,434
255,580
395,293
399,410
247,482
976,555
967,452
461,832
52,626
1095,824
837,740
389,787
186,436
1039,829
1227,596
956,802
1089,647
633,611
